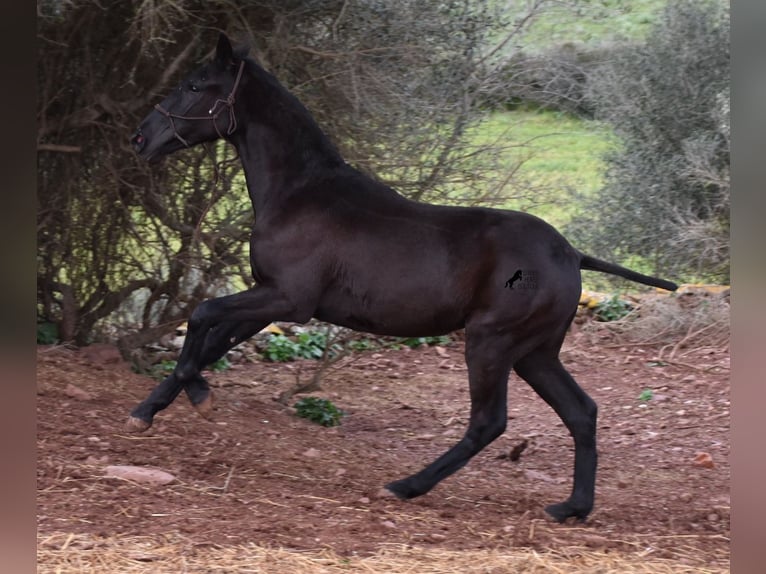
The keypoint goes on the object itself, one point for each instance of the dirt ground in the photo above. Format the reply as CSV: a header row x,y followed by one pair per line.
x,y
257,474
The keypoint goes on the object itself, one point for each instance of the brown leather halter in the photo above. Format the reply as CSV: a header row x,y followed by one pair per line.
x,y
213,114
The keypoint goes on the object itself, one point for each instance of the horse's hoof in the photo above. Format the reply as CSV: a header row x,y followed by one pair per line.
x,y
135,424
402,489
564,510
205,407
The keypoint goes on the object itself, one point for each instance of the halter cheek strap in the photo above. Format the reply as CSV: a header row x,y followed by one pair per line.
x,y
213,113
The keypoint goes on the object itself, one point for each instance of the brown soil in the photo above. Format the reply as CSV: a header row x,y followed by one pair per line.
x,y
260,475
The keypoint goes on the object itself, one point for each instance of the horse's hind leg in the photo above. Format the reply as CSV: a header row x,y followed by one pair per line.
x,y
548,377
218,341
489,363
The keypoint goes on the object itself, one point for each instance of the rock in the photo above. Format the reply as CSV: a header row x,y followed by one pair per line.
x,y
388,524
436,537
139,474
312,453
703,460
75,392
686,497
441,351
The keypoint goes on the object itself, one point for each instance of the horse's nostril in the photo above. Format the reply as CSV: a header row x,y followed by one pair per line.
x,y
138,141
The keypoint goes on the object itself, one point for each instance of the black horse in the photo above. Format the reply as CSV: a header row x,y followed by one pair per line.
x,y
332,243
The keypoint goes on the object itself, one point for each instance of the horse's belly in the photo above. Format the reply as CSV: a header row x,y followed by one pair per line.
x,y
407,315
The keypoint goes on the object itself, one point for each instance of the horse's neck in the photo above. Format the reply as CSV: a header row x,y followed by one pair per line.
x,y
277,158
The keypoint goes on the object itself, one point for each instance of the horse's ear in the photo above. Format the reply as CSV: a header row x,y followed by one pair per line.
x,y
224,54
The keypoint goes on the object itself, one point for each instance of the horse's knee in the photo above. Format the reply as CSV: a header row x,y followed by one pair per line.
x,y
199,316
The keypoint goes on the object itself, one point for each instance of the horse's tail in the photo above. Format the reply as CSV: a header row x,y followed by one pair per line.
x,y
594,264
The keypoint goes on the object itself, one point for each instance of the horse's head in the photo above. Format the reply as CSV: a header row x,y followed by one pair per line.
x,y
199,110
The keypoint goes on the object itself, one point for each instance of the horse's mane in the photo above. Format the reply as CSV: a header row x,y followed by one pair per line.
x,y
287,112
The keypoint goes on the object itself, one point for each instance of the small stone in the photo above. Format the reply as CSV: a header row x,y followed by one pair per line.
x,y
686,497
311,453
388,524
364,500
703,460
139,474
75,392
436,537
713,517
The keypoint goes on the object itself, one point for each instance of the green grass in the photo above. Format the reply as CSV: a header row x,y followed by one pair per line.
x,y
592,22
561,157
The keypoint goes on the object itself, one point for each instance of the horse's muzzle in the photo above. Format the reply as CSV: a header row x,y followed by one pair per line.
x,y
138,141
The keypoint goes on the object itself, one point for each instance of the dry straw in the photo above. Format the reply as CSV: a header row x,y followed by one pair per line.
x,y
678,324
83,554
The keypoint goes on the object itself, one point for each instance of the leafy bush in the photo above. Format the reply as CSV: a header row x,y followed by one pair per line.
x,y
220,365
306,345
612,309
47,334
414,342
665,201
320,411
363,344
162,369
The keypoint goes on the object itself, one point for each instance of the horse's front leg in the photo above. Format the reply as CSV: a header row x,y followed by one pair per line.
x,y
215,327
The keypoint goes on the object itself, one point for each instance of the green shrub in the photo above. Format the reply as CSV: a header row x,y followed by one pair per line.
x,y
47,333
363,344
613,309
220,365
414,342
320,411
666,192
306,345
162,369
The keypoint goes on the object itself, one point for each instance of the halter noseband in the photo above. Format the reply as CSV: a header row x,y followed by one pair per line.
x,y
228,103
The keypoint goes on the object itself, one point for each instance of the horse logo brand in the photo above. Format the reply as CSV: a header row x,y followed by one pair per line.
x,y
522,280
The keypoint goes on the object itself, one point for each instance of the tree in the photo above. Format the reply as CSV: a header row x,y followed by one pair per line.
x,y
666,192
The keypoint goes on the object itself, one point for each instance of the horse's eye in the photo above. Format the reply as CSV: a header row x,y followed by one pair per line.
x,y
193,87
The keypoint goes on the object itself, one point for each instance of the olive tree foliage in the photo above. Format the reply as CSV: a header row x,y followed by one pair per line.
x,y
125,249
666,193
